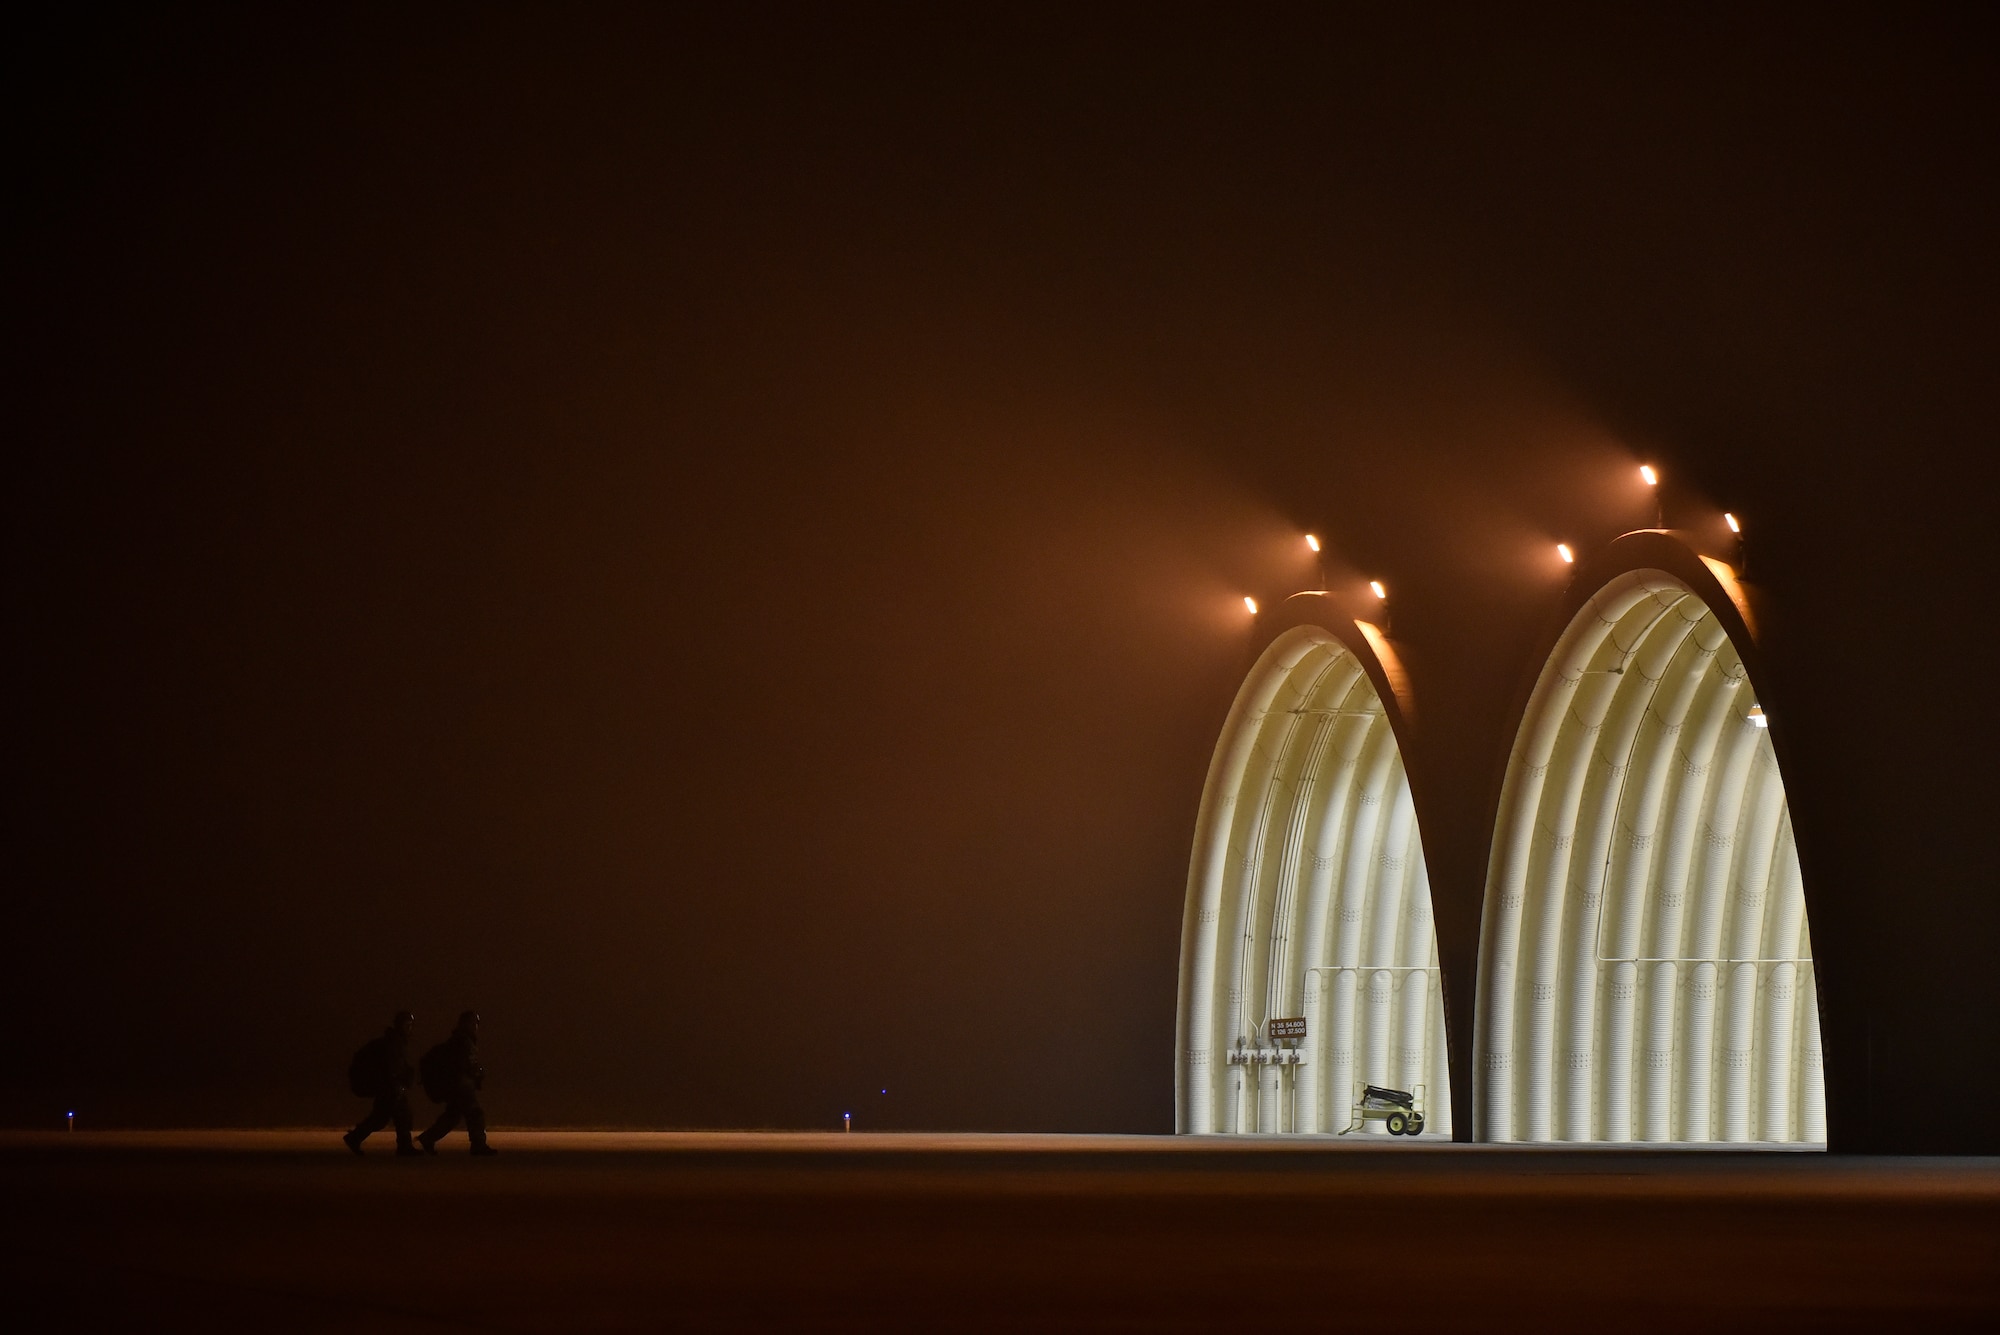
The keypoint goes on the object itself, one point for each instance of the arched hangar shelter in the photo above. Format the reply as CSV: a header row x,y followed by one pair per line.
x,y
1308,900
1645,964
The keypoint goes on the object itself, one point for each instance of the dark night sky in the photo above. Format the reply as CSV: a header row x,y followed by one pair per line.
x,y
718,539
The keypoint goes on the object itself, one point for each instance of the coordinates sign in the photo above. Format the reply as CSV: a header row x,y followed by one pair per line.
x,y
1287,1031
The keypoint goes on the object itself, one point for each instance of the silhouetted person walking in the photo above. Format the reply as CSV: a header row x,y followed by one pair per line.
x,y
381,1071
452,1076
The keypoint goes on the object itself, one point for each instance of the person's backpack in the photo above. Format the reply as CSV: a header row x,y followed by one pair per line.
x,y
366,1074
435,1072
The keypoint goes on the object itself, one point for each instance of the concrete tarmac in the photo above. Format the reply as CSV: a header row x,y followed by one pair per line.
x,y
617,1231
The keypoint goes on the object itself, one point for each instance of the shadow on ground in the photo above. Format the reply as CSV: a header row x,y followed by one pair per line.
x,y
285,1231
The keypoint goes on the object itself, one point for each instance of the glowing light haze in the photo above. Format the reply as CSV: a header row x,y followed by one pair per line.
x,y
725,542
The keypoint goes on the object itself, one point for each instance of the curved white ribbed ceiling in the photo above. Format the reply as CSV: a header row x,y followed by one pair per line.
x,y
1307,897
1645,962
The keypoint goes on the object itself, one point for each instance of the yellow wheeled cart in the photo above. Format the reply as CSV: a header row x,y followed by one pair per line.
x,y
1400,1110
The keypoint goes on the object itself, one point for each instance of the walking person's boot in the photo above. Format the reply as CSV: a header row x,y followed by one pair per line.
x,y
475,1129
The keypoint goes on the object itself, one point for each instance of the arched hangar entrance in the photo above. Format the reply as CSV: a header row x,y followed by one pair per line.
x,y
1645,967
1308,900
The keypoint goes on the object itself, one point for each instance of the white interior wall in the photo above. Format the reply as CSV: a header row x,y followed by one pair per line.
x,y
1307,895
1645,966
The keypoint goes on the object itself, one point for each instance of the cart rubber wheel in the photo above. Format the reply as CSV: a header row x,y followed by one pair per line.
x,y
1416,1125
1397,1122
